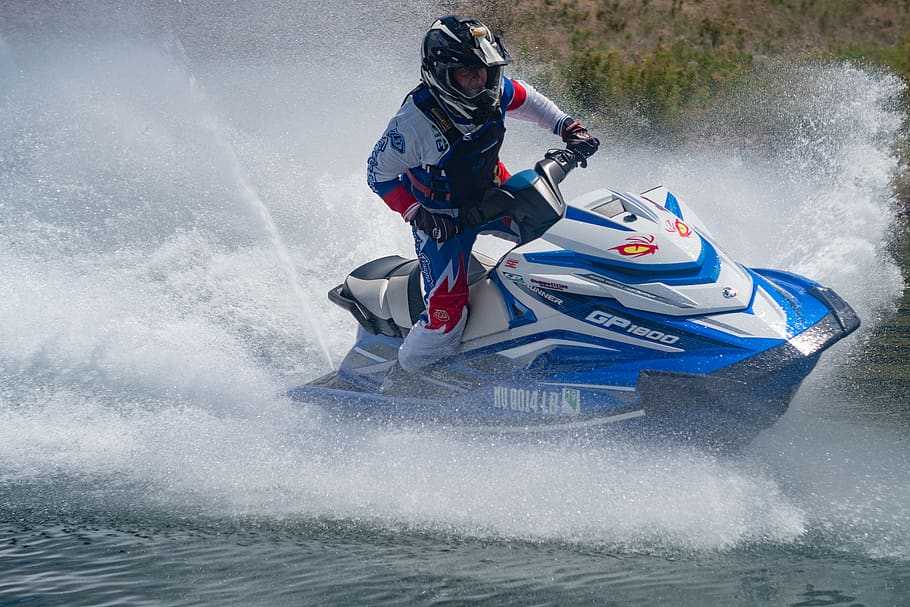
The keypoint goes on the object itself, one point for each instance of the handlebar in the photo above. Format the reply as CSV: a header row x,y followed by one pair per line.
x,y
567,158
558,163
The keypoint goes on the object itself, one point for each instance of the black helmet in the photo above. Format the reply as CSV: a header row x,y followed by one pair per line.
x,y
453,42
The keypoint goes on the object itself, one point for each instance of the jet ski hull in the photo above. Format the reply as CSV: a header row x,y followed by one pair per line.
x,y
721,410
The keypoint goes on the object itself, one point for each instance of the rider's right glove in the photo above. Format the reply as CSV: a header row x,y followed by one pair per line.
x,y
438,226
578,139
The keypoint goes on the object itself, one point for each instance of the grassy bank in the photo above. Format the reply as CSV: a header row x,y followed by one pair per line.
x,y
668,59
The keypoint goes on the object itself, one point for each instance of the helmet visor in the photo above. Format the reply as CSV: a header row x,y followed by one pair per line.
x,y
489,54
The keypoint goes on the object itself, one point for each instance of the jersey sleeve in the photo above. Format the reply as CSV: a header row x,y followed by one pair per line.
x,y
524,102
392,155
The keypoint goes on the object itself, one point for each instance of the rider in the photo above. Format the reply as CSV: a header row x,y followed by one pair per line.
x,y
440,154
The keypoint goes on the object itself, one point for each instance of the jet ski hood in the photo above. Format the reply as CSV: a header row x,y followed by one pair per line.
x,y
642,237
655,256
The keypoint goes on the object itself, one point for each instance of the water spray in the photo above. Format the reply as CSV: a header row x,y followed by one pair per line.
x,y
249,194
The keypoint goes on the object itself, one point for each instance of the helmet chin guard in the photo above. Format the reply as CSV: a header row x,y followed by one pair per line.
x,y
454,42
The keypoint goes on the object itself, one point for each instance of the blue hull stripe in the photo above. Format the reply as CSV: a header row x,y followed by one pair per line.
x,y
576,214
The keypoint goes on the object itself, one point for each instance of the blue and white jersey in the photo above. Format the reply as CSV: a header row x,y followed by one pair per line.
x,y
398,170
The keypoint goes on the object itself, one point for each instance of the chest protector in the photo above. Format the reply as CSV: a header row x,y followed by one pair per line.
x,y
468,169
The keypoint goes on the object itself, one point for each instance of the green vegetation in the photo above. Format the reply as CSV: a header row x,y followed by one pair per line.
x,y
664,85
668,59
895,57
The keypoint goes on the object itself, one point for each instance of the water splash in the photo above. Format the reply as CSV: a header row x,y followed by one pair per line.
x,y
150,331
251,197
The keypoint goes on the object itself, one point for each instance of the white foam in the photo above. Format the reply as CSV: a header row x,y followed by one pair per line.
x,y
147,330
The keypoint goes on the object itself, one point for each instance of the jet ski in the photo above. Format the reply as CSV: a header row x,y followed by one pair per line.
x,y
613,312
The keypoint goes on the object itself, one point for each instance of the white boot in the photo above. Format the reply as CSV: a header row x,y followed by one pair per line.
x,y
425,346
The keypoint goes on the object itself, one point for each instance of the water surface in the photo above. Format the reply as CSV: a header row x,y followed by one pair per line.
x,y
165,172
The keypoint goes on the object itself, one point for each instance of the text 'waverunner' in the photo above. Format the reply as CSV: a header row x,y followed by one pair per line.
x,y
614,311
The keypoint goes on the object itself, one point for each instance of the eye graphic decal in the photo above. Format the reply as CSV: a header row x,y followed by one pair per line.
x,y
637,246
684,230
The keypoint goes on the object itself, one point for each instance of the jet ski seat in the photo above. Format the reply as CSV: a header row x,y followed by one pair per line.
x,y
386,296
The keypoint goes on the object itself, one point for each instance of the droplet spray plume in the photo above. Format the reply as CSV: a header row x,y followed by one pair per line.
x,y
251,197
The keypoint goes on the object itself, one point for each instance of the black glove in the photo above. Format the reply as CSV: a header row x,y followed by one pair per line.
x,y
496,203
438,226
578,139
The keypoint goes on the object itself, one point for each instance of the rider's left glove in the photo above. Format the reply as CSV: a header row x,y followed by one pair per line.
x,y
578,139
